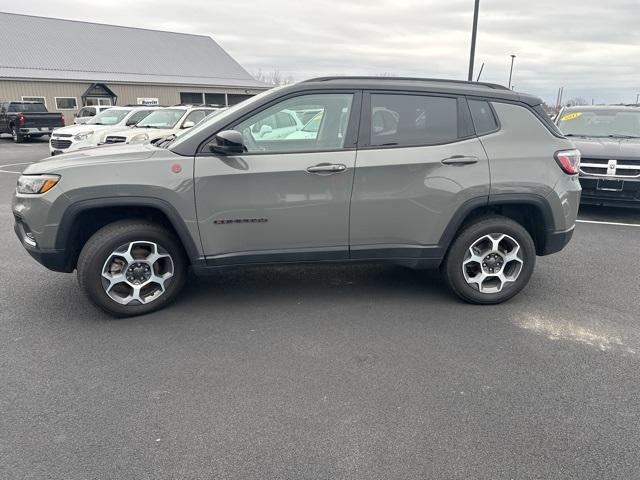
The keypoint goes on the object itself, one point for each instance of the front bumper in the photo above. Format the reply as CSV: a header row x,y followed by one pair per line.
x,y
614,191
56,260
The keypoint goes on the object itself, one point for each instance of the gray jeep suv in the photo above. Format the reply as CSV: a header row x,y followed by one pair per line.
x,y
469,177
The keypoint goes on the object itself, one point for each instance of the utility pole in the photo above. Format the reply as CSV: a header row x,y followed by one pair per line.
x,y
474,32
513,57
560,94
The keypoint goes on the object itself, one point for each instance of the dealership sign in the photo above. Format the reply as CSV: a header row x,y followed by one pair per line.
x,y
148,101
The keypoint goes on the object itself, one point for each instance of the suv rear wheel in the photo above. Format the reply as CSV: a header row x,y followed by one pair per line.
x,y
490,261
132,267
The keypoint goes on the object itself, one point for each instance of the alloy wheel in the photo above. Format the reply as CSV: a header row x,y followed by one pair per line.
x,y
492,262
137,273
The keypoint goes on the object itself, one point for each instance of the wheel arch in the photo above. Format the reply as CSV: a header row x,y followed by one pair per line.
x,y
82,219
532,211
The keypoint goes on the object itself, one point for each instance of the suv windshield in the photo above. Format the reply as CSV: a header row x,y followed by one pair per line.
x,y
165,118
27,107
600,123
111,116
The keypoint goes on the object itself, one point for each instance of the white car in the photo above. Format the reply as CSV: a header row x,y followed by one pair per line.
x,y
161,123
92,133
87,113
276,126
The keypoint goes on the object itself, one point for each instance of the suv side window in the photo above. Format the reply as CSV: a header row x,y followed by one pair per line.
x,y
413,120
279,128
483,118
86,112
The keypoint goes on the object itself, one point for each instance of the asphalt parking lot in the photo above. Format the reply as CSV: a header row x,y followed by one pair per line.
x,y
354,372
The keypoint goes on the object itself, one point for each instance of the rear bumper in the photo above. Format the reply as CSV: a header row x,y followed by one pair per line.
x,y
556,241
627,193
36,131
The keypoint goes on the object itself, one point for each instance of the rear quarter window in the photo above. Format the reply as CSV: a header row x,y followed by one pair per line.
x,y
483,117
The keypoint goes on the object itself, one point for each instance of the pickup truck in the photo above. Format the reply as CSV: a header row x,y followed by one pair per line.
x,y
28,120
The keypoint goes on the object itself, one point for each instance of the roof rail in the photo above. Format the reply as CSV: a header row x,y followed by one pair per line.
x,y
417,79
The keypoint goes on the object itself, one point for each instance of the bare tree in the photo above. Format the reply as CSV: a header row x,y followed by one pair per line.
x,y
576,102
274,77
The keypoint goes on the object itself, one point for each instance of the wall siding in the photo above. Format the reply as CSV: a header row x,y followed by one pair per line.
x,y
127,93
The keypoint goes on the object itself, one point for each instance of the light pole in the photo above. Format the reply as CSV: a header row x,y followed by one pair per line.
x,y
474,31
511,71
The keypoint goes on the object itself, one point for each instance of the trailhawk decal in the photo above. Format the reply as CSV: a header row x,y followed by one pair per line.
x,y
240,220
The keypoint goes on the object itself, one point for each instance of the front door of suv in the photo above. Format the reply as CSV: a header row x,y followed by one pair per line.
x,y
418,162
286,198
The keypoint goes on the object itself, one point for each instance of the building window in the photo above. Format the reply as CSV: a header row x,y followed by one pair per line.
x,y
237,98
98,101
35,99
192,98
215,99
66,103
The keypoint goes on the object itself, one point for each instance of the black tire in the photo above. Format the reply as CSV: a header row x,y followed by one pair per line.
x,y
452,266
16,136
100,246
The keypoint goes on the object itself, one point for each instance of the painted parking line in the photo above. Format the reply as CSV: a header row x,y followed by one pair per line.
x,y
2,167
618,224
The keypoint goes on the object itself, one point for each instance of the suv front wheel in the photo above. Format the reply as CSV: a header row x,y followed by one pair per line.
x,y
132,267
490,260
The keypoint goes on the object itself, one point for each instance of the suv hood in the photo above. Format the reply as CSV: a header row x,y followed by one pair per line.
x,y
153,133
92,156
75,129
611,148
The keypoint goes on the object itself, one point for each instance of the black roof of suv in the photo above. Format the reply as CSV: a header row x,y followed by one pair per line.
x,y
456,87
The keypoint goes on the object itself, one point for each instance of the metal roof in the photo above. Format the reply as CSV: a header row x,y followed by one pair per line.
x,y
49,48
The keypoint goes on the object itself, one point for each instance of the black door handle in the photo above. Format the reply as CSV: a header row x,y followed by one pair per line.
x,y
460,160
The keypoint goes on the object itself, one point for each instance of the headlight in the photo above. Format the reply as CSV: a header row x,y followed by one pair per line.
x,y
141,137
82,136
34,184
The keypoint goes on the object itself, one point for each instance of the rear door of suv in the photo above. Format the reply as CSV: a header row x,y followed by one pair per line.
x,y
419,161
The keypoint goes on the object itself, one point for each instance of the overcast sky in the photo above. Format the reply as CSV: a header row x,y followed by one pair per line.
x,y
591,47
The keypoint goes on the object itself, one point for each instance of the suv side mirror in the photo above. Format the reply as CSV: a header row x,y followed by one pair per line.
x,y
188,124
228,142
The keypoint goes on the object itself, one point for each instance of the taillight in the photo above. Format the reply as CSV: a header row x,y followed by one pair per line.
x,y
569,161
21,119
62,118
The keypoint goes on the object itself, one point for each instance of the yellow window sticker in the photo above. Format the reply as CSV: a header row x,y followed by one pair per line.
x,y
570,116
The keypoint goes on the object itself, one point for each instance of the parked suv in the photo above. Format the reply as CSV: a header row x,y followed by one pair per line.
x,y
92,133
468,177
87,113
162,123
609,139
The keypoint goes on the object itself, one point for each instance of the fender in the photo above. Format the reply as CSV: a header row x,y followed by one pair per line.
x,y
467,207
72,211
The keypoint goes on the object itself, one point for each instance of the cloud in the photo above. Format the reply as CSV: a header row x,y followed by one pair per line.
x,y
591,49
